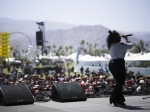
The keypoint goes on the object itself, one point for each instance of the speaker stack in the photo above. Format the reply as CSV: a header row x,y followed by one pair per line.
x,y
15,95
67,92
39,38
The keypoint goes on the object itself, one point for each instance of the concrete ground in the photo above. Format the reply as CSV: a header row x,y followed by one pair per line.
x,y
134,104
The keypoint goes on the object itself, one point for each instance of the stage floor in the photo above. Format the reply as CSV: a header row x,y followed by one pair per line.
x,y
134,104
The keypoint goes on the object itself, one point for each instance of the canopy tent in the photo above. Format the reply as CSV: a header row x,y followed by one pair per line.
x,y
107,56
10,59
48,57
44,57
145,57
31,54
88,60
129,56
86,57
101,58
73,56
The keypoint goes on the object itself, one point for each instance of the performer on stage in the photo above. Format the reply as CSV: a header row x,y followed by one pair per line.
x,y
117,64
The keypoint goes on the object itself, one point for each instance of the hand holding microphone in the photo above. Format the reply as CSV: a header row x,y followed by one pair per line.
x,y
125,36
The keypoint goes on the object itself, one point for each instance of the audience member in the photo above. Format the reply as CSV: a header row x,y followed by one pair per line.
x,y
91,82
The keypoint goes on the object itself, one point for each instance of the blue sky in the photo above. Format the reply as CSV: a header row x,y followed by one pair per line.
x,y
123,15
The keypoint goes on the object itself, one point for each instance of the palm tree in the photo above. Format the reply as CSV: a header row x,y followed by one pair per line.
x,y
87,44
147,47
58,52
26,51
49,49
71,47
142,45
23,52
38,49
54,46
136,49
85,51
90,49
103,49
11,49
60,48
82,44
95,45
62,52
134,44
66,48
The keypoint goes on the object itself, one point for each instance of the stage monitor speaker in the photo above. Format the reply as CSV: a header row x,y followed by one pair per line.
x,y
67,92
15,95
39,38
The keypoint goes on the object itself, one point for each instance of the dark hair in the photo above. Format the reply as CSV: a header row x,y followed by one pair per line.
x,y
113,37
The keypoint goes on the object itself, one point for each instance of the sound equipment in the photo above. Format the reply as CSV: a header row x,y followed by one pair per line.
x,y
14,54
15,95
125,91
39,38
43,96
66,92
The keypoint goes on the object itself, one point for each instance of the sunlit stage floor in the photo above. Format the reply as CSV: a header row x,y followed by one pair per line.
x,y
134,104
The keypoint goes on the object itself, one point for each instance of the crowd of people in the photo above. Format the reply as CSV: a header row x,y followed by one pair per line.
x,y
92,82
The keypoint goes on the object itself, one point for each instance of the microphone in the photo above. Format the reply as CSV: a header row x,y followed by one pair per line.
x,y
127,35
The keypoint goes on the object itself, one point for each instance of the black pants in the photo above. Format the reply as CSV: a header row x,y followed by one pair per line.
x,y
117,68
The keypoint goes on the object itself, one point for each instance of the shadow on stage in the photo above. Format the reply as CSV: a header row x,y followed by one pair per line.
x,y
128,107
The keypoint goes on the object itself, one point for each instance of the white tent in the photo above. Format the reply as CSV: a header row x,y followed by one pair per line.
x,y
31,54
145,57
101,58
73,56
10,59
107,56
48,57
88,60
130,55
87,57
43,57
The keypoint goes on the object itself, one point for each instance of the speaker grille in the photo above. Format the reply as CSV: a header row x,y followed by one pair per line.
x,y
16,94
39,38
68,92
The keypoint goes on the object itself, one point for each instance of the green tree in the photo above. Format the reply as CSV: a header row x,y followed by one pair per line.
x,y
136,49
82,44
87,44
147,46
95,45
66,48
141,45
60,48
85,51
23,52
62,52
49,49
90,52
54,47
71,47
11,50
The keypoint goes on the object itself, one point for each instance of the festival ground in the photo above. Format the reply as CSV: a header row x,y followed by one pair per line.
x,y
134,103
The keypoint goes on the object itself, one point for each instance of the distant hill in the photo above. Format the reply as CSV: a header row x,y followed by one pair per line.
x,y
29,27
91,34
62,33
